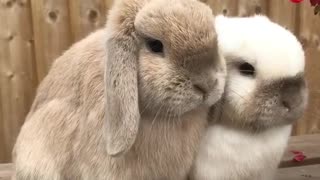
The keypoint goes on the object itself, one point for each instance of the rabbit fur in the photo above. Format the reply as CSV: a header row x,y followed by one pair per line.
x,y
265,93
130,101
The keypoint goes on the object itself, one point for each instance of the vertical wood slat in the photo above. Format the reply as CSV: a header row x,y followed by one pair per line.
x,y
18,78
284,13
51,24
86,16
309,34
226,7
4,55
251,7
108,4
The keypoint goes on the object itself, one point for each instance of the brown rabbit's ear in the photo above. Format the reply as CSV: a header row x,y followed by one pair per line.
x,y
121,78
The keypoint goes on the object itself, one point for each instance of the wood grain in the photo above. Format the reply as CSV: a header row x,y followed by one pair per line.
x,y
309,34
226,7
6,171
308,144
251,7
86,16
284,13
299,173
18,79
52,32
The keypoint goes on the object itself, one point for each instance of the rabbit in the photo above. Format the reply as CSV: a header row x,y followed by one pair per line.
x,y
129,101
265,93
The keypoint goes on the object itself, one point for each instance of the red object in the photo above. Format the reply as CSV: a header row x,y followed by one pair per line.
x,y
299,156
314,2
296,1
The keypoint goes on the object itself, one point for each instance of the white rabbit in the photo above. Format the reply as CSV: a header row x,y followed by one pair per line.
x,y
265,93
128,102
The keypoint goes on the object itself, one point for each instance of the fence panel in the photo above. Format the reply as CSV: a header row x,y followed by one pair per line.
x,y
18,77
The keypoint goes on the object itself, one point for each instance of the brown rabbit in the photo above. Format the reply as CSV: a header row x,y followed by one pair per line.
x,y
129,101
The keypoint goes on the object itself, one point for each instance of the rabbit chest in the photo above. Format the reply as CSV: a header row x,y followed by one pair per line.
x,y
233,154
164,150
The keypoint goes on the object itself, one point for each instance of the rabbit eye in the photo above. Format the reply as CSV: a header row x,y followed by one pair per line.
x,y
155,46
247,69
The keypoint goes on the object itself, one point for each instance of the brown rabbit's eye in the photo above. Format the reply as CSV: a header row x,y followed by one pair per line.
x,y
247,69
155,46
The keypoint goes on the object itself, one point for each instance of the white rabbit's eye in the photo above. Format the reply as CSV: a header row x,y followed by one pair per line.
x,y
247,69
155,46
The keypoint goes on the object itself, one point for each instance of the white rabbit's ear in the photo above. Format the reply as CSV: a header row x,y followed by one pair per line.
x,y
121,77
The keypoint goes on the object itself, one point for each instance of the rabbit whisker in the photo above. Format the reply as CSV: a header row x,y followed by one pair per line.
x,y
154,119
150,100
235,92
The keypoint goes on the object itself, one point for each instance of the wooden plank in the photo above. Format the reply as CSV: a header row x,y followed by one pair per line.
x,y
226,7
86,16
308,144
309,34
284,13
18,78
251,7
51,23
108,5
4,55
299,173
6,171
293,173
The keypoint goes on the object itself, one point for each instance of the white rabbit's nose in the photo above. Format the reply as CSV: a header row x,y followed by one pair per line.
x,y
293,98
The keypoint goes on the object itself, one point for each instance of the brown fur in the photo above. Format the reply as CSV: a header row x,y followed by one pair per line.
x,y
123,112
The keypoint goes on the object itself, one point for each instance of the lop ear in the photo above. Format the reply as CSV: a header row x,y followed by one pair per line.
x,y
121,80
122,110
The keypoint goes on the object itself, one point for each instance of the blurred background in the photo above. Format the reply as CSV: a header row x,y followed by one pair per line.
x,y
35,32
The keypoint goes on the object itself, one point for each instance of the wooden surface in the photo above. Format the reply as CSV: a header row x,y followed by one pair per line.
x,y
309,169
293,173
309,145
18,77
34,32
6,171
299,173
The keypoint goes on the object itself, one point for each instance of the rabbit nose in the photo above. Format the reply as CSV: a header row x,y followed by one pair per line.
x,y
293,96
204,86
291,100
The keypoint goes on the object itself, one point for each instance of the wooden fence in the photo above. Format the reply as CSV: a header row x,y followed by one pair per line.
x,y
35,32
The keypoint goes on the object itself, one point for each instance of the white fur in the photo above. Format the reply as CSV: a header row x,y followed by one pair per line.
x,y
274,59
236,155
274,51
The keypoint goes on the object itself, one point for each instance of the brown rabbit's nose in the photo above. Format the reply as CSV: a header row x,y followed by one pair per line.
x,y
204,86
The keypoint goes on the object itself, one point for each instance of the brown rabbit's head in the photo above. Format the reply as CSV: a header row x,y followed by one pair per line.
x,y
163,60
